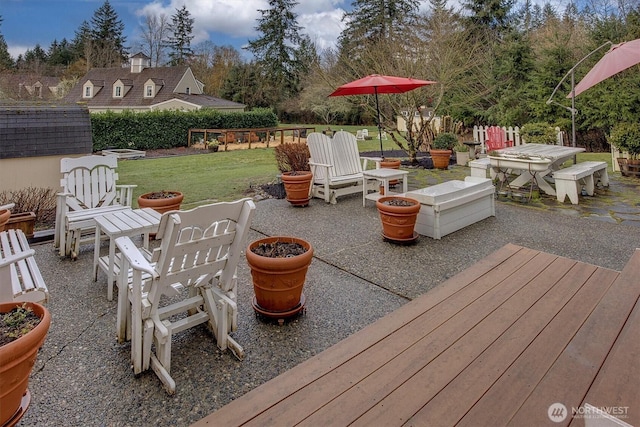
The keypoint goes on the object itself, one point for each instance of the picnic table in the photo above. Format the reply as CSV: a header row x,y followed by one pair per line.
x,y
533,162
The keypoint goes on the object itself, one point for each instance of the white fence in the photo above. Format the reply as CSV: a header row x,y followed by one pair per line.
x,y
512,134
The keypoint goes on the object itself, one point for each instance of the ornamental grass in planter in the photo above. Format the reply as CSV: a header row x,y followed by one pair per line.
x,y
293,163
279,267
23,328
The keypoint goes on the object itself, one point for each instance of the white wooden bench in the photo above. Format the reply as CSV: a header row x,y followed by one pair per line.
x,y
336,165
570,179
452,205
20,278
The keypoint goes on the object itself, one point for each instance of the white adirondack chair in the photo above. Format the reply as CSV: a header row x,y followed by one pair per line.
x,y
194,269
88,189
336,165
20,278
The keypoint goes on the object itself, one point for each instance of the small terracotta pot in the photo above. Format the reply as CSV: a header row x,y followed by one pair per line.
x,y
398,222
391,164
440,158
278,282
16,362
297,186
161,205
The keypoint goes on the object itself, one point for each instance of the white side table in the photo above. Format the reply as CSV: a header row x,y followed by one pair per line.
x,y
113,225
383,175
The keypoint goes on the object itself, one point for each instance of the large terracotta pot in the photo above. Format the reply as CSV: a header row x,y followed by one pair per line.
x,y
16,361
440,158
391,164
163,204
297,185
278,282
4,217
398,222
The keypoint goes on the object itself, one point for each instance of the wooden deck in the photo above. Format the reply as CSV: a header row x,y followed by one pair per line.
x,y
497,344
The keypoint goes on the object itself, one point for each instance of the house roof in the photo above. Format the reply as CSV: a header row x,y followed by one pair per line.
x,y
167,80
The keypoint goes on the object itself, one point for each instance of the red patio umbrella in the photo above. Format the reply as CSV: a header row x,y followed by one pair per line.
x,y
375,84
619,57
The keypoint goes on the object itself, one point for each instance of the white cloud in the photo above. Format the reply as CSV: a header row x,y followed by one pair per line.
x,y
16,50
320,19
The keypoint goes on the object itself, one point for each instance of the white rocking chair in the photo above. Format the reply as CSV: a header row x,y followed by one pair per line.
x,y
195,266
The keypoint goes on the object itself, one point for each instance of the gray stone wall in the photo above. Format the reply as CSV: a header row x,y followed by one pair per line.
x,y
34,130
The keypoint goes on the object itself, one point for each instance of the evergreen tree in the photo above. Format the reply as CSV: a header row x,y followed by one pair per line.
x,y
276,52
60,53
371,21
107,39
5,59
35,60
180,42
82,38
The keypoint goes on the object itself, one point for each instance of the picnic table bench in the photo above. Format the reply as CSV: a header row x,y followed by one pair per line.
x,y
569,179
522,337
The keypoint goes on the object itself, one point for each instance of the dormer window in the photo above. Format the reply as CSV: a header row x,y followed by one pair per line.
x,y
88,92
148,91
117,92
187,91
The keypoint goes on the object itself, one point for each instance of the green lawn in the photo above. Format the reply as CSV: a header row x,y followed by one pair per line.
x,y
226,176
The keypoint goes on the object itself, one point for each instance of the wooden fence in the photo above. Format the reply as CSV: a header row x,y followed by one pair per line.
x,y
512,134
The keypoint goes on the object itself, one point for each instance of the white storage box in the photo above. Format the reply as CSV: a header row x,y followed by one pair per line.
x,y
452,205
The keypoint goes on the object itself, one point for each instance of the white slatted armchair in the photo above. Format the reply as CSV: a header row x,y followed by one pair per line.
x,y
89,189
336,165
20,278
192,274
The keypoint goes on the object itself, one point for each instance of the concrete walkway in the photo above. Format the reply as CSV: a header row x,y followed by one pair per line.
x,y
83,377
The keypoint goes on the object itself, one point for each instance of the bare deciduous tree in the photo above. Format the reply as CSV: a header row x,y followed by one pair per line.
x,y
155,32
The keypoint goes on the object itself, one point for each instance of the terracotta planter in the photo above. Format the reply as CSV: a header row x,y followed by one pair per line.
x,y
5,214
298,186
391,164
278,282
440,158
16,361
398,222
161,205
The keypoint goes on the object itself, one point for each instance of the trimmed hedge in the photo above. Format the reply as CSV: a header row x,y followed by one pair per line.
x,y
167,129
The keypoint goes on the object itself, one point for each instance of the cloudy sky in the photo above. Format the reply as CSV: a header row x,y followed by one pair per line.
x,y
224,22
30,22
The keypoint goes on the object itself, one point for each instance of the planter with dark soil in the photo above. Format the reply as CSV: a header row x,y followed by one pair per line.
x,y
398,216
279,267
23,328
161,201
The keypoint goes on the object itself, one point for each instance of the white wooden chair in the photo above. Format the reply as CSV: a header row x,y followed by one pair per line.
x,y
192,274
88,189
20,278
336,165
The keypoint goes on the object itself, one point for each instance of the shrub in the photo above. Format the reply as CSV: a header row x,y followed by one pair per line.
x,y
41,201
538,133
292,156
626,138
445,141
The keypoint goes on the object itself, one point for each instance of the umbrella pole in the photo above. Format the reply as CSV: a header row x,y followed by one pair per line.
x,y
379,124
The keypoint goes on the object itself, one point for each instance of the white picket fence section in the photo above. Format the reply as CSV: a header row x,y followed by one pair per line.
x,y
512,133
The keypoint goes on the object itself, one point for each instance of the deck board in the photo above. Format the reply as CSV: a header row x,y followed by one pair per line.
x,y
496,344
